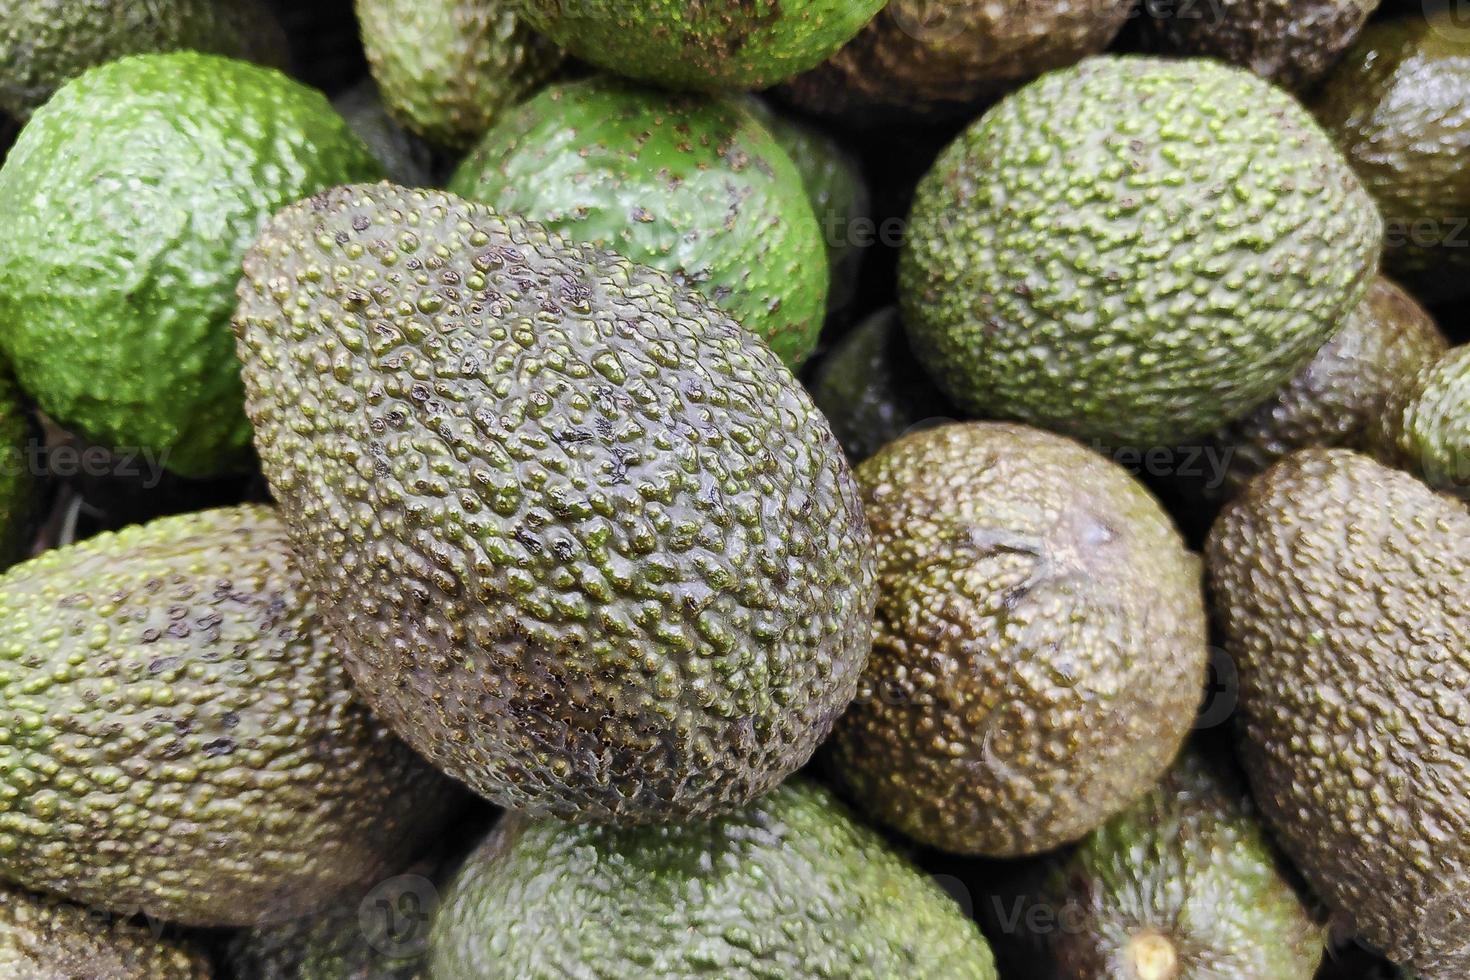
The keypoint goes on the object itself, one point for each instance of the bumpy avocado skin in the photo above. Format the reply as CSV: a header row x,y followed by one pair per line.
x,y
1186,876
1290,42
591,547
926,60
709,46
130,198
1342,592
1133,250
872,391
1425,428
406,159
691,184
45,43
180,737
790,887
448,70
1395,106
1343,391
46,939
1039,645
838,192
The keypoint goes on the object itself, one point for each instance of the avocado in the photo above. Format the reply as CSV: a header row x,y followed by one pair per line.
x,y
450,69
130,198
1344,389
1395,105
589,546
707,46
871,389
178,736
1184,883
1342,593
45,43
20,479
45,939
691,184
1133,250
789,887
1425,427
1039,646
838,192
1290,42
920,60
405,158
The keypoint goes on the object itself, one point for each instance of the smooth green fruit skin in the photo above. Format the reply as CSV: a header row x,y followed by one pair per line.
x,y
130,198
1342,593
872,391
1343,392
1189,863
45,939
1133,250
449,69
1039,644
45,43
180,737
1426,426
693,185
591,548
791,887
1395,105
406,159
710,46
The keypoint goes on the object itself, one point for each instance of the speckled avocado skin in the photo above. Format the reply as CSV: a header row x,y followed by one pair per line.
x,y
592,549
1395,105
1425,428
45,939
1290,42
129,199
1186,878
449,69
180,737
1133,250
872,391
706,46
1039,646
691,184
1341,590
924,60
44,43
1343,391
791,887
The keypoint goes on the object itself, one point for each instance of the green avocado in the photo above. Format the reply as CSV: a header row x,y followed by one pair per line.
x,y
1290,42
590,547
872,391
129,199
1342,392
1133,250
406,159
45,43
179,738
706,46
1182,884
694,185
45,939
1425,428
451,68
1395,105
1039,646
790,887
1342,593
927,61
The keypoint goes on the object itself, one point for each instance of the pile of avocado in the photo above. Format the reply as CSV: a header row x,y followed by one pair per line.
x,y
753,489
